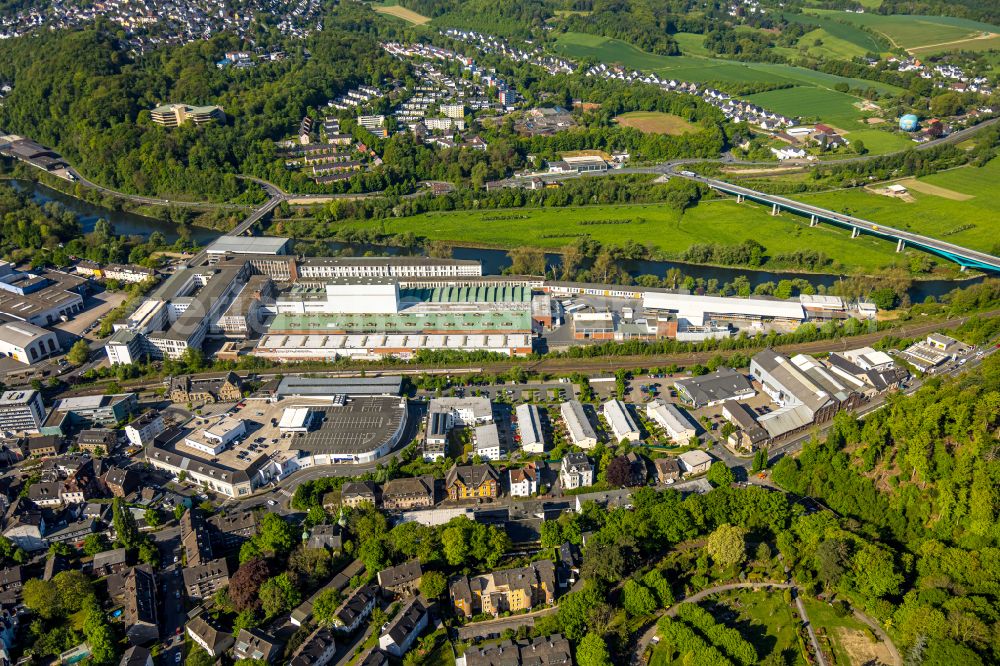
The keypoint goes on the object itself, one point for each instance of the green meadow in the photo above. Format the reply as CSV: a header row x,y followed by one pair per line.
x,y
841,38
717,221
830,106
971,223
923,34
698,68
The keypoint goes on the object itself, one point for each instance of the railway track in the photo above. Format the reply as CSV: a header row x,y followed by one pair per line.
x,y
603,364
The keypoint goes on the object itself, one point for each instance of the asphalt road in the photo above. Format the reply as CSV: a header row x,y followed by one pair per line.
x,y
172,597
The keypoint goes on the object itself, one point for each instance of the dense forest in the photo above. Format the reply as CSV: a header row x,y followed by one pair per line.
x,y
83,94
980,10
921,477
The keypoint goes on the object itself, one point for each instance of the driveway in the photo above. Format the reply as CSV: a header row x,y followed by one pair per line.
x,y
492,628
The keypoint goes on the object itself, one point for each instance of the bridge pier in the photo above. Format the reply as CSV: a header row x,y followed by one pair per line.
x,y
900,245
855,232
774,209
739,198
813,221
961,269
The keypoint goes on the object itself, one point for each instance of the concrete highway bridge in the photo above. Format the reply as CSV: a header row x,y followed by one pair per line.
x,y
964,257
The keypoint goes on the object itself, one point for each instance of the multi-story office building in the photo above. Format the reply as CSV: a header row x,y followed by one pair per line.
x,y
21,411
175,115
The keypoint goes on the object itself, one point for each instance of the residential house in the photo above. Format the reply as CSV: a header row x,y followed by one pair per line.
x,y
318,650
255,644
44,445
355,493
402,579
144,429
544,651
72,533
24,524
195,538
212,637
229,531
122,482
472,482
98,441
374,657
141,622
677,425
404,628
46,493
204,580
110,562
637,470
486,440
623,426
524,481
576,471
228,388
529,428
11,578
355,608
325,536
505,590
695,461
667,470
578,427
136,656
748,434
409,493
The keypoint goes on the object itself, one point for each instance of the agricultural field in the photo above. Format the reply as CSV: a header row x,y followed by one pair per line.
x,y
718,221
844,38
701,69
937,209
390,8
923,35
832,107
836,109
654,122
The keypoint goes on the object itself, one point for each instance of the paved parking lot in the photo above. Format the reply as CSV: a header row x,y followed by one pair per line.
x,y
96,306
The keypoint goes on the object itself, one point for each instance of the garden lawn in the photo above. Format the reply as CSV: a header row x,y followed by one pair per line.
x,y
971,223
827,623
880,141
717,221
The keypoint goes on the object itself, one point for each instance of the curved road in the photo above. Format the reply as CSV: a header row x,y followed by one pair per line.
x,y
153,201
662,167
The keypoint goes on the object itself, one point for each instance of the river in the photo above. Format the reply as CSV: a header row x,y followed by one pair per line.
x,y
125,223
493,260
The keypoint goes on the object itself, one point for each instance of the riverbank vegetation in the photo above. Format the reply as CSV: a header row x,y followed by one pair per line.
x,y
681,228
50,235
